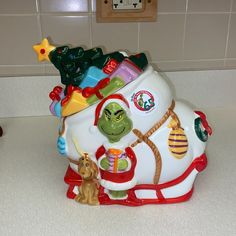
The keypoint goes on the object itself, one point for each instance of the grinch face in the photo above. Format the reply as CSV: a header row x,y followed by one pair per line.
x,y
114,122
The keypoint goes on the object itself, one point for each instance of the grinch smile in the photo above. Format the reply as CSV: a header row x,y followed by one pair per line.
x,y
113,134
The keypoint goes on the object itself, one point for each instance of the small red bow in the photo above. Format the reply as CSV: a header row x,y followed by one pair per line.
x,y
70,90
89,91
55,94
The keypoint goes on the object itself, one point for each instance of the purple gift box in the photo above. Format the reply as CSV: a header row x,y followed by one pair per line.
x,y
126,71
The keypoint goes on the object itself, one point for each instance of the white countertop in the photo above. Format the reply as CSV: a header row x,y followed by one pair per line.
x,y
33,201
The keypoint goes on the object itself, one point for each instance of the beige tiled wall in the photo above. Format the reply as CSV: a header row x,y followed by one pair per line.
x,y
189,34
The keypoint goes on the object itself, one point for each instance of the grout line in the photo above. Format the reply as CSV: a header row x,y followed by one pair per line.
x,y
154,61
13,65
186,6
94,13
47,14
184,33
17,14
90,17
89,6
194,13
210,12
191,60
90,9
65,13
37,6
138,43
228,32
40,28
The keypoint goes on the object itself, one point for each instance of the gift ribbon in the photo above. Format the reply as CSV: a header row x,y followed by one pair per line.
x,y
89,91
70,90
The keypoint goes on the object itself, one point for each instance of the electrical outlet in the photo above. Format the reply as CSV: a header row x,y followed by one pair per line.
x,y
126,10
127,4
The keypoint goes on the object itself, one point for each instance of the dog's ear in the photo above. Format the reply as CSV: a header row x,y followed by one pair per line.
x,y
94,169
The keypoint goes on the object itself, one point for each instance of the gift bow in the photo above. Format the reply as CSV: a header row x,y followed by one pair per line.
x,y
70,90
89,91
55,94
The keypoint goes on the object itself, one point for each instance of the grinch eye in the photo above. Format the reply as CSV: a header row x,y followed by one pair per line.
x,y
119,117
107,117
119,114
107,114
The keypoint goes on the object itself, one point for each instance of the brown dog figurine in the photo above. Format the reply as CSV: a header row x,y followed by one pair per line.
x,y
88,190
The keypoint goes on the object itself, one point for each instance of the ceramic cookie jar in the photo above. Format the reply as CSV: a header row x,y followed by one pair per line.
x,y
127,140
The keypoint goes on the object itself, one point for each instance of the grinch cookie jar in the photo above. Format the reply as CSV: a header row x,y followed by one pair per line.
x,y
127,141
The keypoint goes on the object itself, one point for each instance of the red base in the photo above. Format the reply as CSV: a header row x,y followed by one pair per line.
x,y
200,163
133,201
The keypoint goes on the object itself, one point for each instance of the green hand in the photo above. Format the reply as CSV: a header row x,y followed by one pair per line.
x,y
122,164
105,163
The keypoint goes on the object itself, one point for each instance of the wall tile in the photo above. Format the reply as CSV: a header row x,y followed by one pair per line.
x,y
234,6
209,5
230,63
189,65
163,39
63,6
73,30
22,70
206,36
171,5
18,34
115,36
51,70
231,51
16,6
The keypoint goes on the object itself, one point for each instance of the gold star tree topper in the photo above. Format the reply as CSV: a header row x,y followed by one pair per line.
x,y
43,49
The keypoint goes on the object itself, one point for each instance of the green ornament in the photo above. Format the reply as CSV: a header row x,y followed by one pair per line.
x,y
202,134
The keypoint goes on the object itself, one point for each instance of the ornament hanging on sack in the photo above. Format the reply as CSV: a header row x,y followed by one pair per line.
x,y
177,141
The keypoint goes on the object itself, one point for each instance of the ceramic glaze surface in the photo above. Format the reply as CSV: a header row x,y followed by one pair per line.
x,y
127,141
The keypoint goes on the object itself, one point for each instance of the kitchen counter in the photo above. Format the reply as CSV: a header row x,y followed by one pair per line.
x,y
33,200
